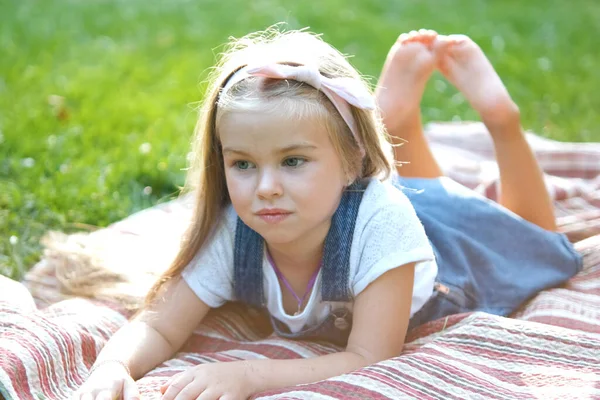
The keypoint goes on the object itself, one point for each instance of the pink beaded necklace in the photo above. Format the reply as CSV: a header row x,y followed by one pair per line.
x,y
309,287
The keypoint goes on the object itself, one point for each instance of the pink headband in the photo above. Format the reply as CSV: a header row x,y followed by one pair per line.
x,y
341,91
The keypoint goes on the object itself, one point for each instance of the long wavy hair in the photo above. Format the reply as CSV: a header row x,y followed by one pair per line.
x,y
206,175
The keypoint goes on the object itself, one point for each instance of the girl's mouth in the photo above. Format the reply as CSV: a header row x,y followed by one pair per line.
x,y
273,215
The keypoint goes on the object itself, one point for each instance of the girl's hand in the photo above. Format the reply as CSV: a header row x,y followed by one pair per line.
x,y
107,382
218,381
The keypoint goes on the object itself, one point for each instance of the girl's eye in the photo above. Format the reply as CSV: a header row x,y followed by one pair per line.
x,y
243,165
294,162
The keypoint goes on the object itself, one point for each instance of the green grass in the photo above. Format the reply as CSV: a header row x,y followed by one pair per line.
x,y
130,71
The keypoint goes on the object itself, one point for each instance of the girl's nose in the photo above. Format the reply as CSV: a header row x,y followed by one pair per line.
x,y
269,184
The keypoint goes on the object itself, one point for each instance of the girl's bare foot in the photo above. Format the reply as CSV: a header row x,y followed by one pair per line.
x,y
465,65
522,188
408,66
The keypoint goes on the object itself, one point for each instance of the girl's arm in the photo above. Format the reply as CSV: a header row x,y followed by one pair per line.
x,y
380,323
157,332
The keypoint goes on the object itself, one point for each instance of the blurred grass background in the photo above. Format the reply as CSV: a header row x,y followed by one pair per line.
x,y
97,97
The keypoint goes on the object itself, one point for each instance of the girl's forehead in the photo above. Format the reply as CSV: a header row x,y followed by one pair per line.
x,y
270,128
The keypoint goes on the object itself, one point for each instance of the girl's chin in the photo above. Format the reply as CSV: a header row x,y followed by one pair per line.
x,y
275,238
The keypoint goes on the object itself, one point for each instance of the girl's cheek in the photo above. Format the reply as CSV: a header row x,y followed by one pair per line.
x,y
240,186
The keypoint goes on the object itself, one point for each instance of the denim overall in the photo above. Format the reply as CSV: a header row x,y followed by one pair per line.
x,y
488,259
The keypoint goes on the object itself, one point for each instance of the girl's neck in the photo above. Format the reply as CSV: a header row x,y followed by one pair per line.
x,y
290,259
301,256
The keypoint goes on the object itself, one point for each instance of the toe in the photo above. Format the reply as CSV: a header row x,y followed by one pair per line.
x,y
432,33
413,36
441,43
457,39
424,36
403,38
427,32
428,36
443,47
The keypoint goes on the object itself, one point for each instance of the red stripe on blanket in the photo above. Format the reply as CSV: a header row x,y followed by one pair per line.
x,y
551,334
213,345
18,378
344,390
335,389
42,358
526,354
383,373
457,375
569,323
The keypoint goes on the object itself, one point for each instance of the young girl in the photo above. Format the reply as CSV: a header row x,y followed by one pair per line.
x,y
298,213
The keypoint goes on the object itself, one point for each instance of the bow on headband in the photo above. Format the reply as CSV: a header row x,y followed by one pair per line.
x,y
340,91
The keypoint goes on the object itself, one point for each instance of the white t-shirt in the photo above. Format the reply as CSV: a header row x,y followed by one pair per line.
x,y
387,235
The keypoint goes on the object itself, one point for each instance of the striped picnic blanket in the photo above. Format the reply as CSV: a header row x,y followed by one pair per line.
x,y
550,348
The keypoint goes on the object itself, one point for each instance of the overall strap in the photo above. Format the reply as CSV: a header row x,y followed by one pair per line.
x,y
247,265
335,272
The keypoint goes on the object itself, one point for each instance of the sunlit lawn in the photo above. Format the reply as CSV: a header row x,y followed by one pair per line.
x,y
97,97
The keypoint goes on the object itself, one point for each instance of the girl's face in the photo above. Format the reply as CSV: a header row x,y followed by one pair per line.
x,y
284,177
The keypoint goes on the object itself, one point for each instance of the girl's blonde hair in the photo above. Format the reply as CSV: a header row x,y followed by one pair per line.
x,y
206,175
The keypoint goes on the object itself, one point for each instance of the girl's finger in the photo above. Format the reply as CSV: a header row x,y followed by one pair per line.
x,y
108,393
208,395
130,390
191,391
177,386
165,385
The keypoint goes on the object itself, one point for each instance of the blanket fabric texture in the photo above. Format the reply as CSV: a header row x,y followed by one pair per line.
x,y
549,348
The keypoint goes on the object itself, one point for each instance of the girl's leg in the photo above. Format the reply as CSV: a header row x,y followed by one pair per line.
x,y
407,68
522,185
